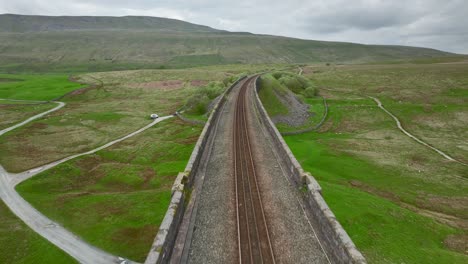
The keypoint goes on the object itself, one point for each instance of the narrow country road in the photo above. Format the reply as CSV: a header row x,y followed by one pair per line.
x,y
380,105
60,105
50,230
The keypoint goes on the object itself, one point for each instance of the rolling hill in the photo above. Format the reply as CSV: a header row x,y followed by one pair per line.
x,y
44,43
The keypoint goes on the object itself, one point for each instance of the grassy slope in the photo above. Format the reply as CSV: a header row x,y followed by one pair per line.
x,y
271,88
100,43
268,94
22,23
101,50
371,172
36,87
20,244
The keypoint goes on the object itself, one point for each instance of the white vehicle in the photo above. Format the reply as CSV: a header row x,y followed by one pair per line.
x,y
154,116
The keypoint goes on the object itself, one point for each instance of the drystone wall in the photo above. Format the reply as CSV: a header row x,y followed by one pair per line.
x,y
338,245
164,242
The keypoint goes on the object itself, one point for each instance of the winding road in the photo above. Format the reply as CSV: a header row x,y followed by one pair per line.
x,y
50,230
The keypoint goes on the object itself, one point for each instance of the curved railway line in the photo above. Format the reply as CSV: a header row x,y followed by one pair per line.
x,y
244,204
254,243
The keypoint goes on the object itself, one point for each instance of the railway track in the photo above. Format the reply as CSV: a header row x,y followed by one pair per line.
x,y
254,244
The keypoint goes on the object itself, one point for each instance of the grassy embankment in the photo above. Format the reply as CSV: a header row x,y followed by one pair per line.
x,y
279,84
399,201
116,198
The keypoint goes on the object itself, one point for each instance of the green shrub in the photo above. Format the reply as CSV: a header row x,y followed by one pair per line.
x,y
292,83
212,90
301,98
277,75
198,103
310,92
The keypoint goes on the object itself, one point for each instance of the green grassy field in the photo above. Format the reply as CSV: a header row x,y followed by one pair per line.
x,y
116,198
93,117
13,113
398,200
20,244
36,86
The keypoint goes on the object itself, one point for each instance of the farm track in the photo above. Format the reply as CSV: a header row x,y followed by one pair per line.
x,y
254,243
50,230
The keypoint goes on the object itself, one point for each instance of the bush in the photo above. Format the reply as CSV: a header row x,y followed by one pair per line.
x,y
212,90
301,98
277,75
198,103
310,92
292,83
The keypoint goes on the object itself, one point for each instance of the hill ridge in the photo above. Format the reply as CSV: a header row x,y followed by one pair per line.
x,y
39,23
88,43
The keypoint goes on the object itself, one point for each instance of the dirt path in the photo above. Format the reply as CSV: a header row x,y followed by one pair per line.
x,y
379,104
300,71
60,105
50,230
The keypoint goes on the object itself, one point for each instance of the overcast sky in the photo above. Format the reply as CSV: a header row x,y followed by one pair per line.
x,y
440,24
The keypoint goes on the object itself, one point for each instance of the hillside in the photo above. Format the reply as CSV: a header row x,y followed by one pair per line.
x,y
34,43
21,23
